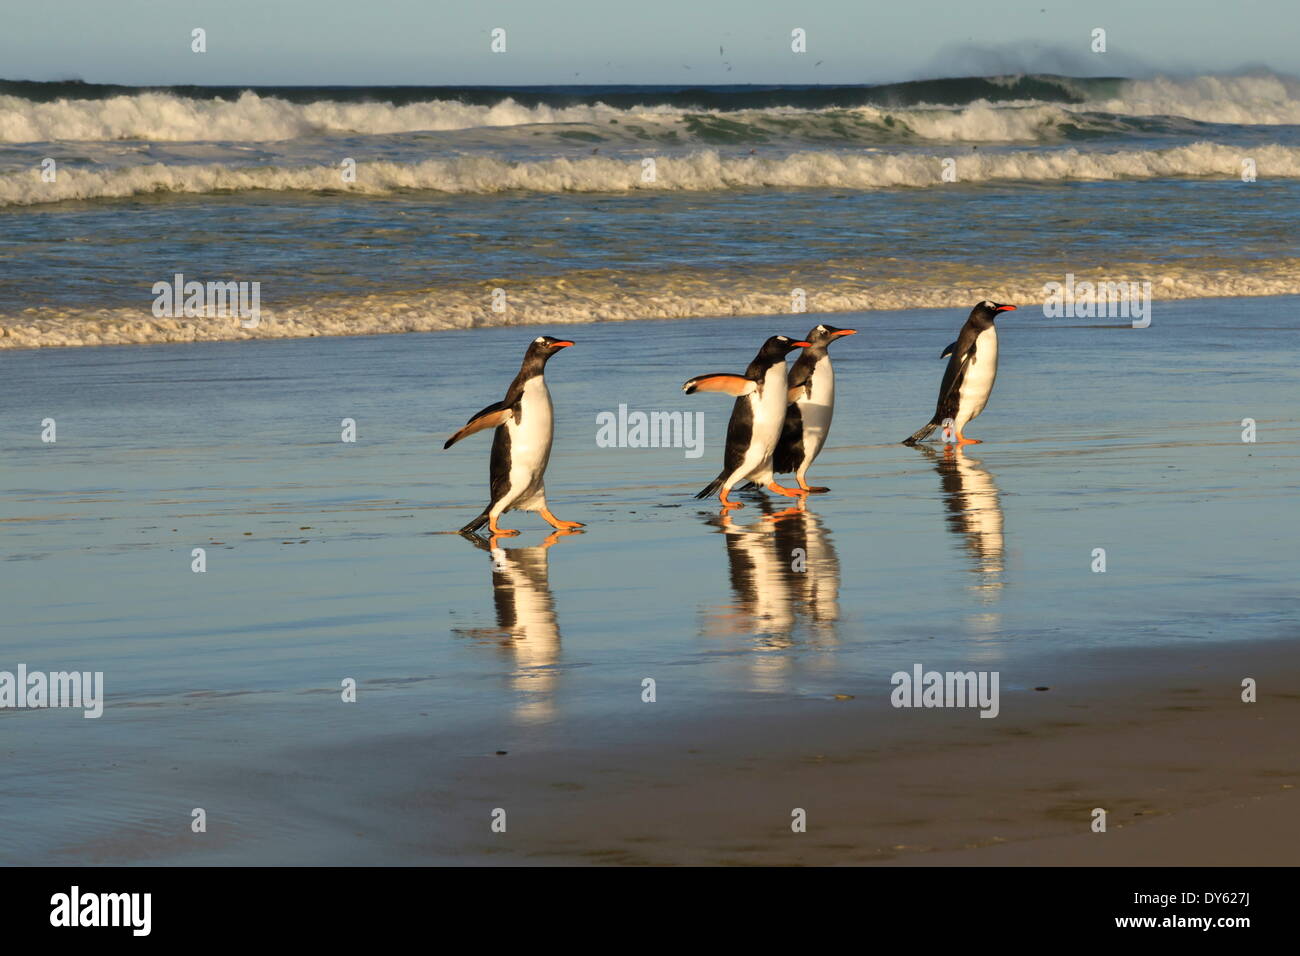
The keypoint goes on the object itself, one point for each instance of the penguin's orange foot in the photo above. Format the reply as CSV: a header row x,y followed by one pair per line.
x,y
970,441
500,532
555,522
773,487
812,489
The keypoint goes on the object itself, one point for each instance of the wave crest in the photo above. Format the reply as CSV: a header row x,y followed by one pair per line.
x,y
983,109
699,171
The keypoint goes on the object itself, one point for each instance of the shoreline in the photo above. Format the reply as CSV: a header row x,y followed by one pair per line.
x,y
607,300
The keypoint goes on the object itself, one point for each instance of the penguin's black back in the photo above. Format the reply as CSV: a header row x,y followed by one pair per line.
x,y
950,389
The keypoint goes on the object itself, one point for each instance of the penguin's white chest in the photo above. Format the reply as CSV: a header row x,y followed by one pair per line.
x,y
530,440
815,410
767,415
977,383
768,407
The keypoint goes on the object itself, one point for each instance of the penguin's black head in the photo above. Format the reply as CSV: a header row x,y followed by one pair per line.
x,y
779,346
544,346
985,312
824,335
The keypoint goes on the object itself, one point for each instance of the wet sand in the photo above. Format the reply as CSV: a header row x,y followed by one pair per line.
x,y
1188,775
329,560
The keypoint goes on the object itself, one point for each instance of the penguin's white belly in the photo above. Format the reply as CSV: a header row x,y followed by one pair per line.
x,y
977,383
768,416
530,448
815,412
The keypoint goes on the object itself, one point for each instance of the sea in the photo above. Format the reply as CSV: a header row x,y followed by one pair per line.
x,y
363,210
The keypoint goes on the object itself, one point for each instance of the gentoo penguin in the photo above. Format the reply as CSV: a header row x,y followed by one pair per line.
x,y
968,380
812,403
522,445
756,419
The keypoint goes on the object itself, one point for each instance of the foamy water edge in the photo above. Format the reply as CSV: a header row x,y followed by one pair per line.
x,y
619,298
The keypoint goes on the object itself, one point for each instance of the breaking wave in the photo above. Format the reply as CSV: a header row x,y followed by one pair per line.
x,y
974,109
699,171
613,296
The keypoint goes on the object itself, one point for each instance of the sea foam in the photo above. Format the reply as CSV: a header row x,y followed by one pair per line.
x,y
698,171
593,296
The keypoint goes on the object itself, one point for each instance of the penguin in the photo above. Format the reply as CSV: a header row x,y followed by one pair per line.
x,y
522,445
968,380
756,419
812,403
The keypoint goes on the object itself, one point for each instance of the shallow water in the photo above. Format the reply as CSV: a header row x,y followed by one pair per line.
x,y
328,560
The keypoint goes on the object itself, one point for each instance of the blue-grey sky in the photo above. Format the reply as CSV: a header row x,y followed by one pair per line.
x,y
633,41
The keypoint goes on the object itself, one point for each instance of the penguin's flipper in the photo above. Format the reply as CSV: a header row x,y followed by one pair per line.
x,y
950,388
720,382
490,417
949,350
800,378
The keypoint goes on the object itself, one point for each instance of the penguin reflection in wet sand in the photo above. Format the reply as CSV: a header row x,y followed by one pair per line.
x,y
812,403
522,445
968,380
756,419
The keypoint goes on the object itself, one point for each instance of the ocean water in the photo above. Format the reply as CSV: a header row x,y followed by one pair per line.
x,y
602,203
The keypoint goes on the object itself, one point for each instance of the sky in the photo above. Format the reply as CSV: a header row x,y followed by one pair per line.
x,y
436,42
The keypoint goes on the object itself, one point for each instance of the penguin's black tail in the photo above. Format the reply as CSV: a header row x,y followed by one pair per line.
x,y
477,523
922,433
711,488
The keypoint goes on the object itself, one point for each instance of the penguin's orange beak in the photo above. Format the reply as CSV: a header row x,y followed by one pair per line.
x,y
802,345
565,343
1005,308
853,331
